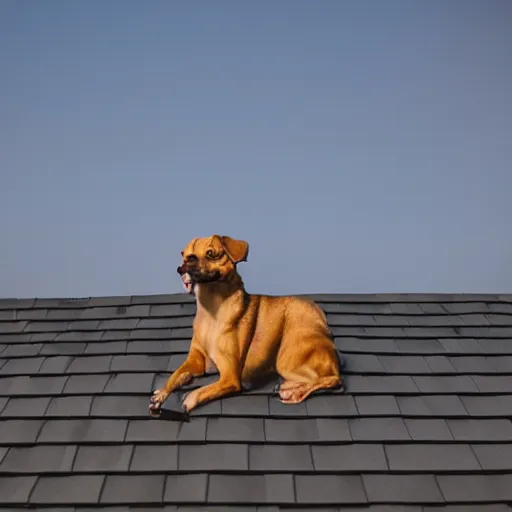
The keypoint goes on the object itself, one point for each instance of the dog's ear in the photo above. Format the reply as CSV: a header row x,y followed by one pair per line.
x,y
237,250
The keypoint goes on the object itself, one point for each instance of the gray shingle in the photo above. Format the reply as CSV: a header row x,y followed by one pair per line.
x,y
475,488
83,325
285,458
39,385
474,430
133,489
176,361
245,405
186,488
385,384
494,457
306,430
344,319
118,324
22,366
3,452
378,429
431,405
404,364
384,405
20,431
79,336
446,384
16,338
14,327
277,408
19,407
439,364
71,489
423,457
68,406
329,489
156,458
39,459
144,334
124,383
235,430
154,430
349,457
457,308
103,458
167,310
488,406
500,363
44,326
64,314
363,363
493,383
157,346
63,349
85,430
406,309
90,364
402,489
120,406
10,314
55,364
165,323
365,345
137,363
428,429
16,489
106,347
22,350
273,488
471,364
423,346
86,384
331,405
213,457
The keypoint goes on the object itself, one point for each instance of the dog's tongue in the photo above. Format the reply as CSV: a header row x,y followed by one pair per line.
x,y
187,282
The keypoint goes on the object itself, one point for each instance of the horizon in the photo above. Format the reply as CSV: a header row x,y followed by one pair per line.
x,y
358,147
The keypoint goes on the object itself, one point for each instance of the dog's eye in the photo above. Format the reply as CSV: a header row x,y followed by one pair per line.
x,y
210,254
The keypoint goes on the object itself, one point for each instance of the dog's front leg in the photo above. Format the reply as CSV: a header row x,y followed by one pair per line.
x,y
193,366
229,366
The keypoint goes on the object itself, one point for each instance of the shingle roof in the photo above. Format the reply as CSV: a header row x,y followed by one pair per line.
x,y
425,420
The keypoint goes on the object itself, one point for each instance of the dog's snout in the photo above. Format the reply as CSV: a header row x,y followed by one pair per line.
x,y
191,258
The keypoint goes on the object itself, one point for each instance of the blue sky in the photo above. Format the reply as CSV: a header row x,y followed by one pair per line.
x,y
358,146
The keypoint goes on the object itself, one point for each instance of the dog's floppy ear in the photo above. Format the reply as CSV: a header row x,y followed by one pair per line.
x,y
237,250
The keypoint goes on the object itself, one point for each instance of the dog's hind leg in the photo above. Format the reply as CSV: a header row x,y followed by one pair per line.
x,y
291,392
307,367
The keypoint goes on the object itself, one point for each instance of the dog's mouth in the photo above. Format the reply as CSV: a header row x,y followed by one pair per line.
x,y
188,282
190,279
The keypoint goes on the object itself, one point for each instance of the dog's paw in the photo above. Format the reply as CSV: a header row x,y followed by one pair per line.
x,y
190,400
157,399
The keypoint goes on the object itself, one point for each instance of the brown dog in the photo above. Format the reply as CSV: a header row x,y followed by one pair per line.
x,y
248,337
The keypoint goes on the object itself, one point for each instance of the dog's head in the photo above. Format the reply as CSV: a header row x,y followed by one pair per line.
x,y
210,260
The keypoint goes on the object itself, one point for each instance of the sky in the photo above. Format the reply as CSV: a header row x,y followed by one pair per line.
x,y
358,146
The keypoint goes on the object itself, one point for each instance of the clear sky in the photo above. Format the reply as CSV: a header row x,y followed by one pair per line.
x,y
358,146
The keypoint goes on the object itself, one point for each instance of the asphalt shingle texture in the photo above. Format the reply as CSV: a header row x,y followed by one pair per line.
x,y
425,423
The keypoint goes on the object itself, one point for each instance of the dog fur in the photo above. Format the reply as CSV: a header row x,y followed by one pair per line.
x,y
246,337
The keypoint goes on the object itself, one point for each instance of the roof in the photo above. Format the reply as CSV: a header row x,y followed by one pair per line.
x,y
425,420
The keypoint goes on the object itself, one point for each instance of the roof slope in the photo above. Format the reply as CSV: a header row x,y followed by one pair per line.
x,y
425,421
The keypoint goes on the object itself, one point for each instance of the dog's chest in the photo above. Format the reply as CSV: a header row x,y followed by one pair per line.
x,y
207,330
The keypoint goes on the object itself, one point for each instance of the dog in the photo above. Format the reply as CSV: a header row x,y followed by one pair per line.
x,y
246,338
